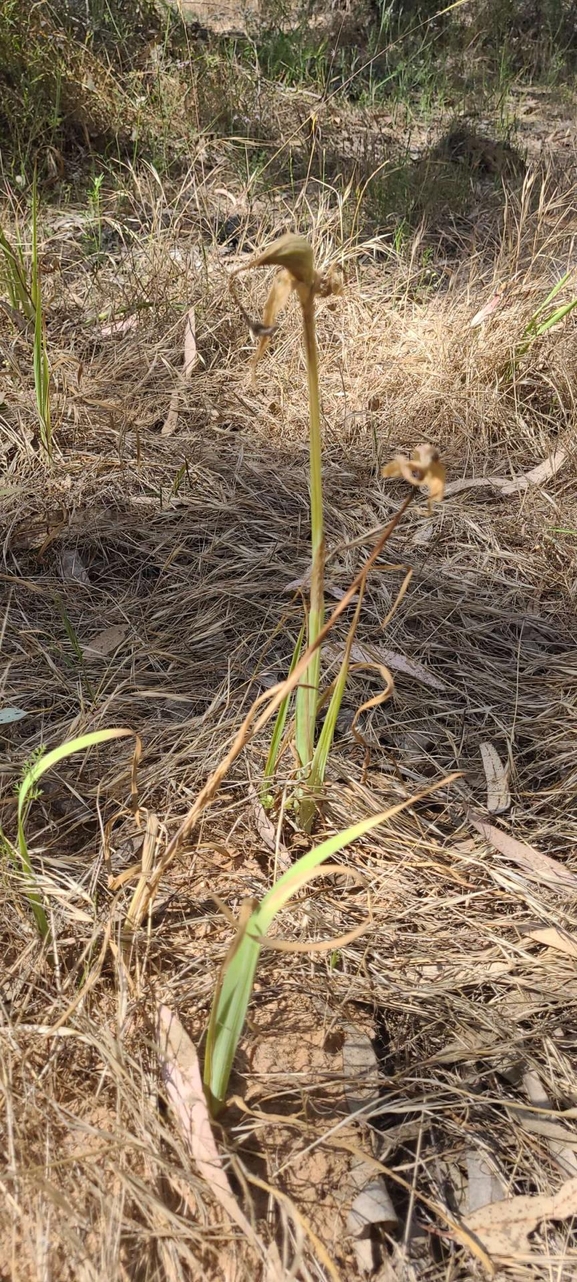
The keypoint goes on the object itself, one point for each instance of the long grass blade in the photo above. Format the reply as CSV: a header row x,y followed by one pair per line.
x,y
549,299
233,995
234,989
327,734
15,277
536,328
279,725
557,316
26,793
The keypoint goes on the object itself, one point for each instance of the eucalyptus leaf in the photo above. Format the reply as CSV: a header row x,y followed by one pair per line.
x,y
8,715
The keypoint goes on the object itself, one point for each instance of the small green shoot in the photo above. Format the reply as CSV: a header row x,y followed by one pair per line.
x,y
279,726
182,474
74,642
95,206
13,278
560,284
234,989
327,734
28,791
537,327
69,628
555,317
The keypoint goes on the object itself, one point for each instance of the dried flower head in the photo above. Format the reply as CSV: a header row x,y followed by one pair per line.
x,y
423,468
292,252
331,282
294,255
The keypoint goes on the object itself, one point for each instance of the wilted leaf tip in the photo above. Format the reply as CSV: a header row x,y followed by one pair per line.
x,y
292,252
423,468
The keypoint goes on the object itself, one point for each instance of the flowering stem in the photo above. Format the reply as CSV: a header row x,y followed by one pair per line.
x,y
308,691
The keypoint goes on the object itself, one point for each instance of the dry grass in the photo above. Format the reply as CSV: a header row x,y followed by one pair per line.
x,y
190,544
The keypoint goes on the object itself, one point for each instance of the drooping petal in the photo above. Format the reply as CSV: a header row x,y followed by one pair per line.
x,y
292,252
423,468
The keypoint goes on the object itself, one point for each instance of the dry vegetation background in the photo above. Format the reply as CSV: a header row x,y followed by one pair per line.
x,y
148,582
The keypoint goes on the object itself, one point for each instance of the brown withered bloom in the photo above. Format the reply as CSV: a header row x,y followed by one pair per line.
x,y
294,255
423,468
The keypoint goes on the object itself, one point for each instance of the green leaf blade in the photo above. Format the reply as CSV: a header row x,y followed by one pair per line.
x,y
280,722
232,998
44,763
228,1013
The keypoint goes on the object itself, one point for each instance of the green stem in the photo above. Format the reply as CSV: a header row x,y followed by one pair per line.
x,y
308,691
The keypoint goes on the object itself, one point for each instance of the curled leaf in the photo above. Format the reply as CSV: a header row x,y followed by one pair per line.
x,y
72,567
487,309
282,286
362,1081
292,252
485,1186
423,468
504,1227
385,694
371,1209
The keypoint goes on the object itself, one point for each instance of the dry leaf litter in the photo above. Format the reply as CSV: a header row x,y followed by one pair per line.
x,y
144,580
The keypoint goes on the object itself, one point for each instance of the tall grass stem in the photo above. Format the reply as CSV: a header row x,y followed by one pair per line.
x,y
308,692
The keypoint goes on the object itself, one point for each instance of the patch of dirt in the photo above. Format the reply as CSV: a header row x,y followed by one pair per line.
x,y
219,17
